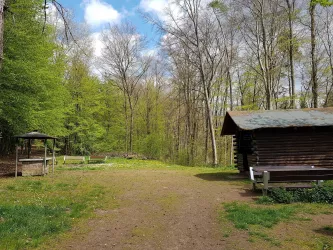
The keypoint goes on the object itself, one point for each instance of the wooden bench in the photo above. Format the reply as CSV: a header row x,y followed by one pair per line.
x,y
74,158
289,174
96,158
256,173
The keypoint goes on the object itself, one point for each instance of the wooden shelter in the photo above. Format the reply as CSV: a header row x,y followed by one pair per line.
x,y
281,137
40,163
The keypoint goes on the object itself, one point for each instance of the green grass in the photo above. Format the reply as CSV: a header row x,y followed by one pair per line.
x,y
35,209
261,222
27,225
243,215
56,203
257,219
264,236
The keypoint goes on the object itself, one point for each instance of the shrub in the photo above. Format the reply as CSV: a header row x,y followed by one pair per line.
x,y
317,194
281,195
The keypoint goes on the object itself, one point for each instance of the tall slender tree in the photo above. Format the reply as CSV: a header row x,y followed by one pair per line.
x,y
124,64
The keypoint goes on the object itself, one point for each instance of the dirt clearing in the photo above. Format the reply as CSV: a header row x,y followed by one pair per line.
x,y
178,208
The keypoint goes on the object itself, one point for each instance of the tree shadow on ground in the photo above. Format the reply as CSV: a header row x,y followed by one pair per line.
x,y
326,230
222,177
9,175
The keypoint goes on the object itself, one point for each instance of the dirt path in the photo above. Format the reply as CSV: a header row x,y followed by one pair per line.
x,y
160,209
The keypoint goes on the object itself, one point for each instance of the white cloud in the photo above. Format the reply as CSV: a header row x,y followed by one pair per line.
x,y
97,43
98,46
164,8
97,12
150,52
161,8
156,6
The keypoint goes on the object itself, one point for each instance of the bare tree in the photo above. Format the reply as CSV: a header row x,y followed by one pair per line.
x,y
195,28
291,48
123,63
262,24
312,8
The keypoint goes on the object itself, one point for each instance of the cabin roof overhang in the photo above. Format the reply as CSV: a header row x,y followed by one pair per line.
x,y
251,120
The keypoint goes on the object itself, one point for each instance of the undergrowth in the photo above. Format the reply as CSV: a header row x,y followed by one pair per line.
x,y
317,194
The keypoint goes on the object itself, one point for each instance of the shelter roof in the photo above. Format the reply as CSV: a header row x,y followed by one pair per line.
x,y
251,120
35,135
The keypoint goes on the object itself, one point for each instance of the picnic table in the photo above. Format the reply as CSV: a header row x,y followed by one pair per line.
x,y
269,174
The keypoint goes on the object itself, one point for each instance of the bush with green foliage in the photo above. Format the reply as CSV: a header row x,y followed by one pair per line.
x,y
317,194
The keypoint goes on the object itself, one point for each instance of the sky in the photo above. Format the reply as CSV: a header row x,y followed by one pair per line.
x,y
99,13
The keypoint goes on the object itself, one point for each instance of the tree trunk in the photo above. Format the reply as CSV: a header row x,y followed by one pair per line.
x,y
291,7
131,124
314,82
211,127
230,88
126,123
2,25
206,140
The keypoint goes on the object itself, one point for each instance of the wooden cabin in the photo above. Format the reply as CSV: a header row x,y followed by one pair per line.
x,y
294,137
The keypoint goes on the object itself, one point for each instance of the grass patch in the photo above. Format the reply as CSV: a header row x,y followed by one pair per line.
x,y
265,237
36,209
257,220
27,226
243,215
82,168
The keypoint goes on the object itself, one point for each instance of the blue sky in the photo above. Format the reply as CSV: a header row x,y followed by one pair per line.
x,y
98,13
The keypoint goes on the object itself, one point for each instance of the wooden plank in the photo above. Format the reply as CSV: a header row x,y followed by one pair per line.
x,y
300,177
295,158
291,138
283,168
290,160
96,158
294,143
70,157
288,153
35,159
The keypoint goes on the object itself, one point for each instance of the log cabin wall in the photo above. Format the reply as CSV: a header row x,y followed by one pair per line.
x,y
293,147
243,150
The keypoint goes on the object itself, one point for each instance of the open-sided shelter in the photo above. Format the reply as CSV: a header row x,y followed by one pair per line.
x,y
35,161
294,137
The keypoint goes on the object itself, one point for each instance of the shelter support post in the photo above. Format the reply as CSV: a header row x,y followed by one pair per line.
x,y
45,149
266,179
16,159
53,156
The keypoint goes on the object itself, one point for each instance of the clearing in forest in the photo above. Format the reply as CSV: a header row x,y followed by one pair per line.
x,y
132,204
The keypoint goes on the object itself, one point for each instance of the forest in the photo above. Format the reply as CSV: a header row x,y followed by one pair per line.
x,y
213,57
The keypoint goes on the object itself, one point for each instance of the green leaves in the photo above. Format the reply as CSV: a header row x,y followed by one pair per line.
x,y
31,78
324,3
218,5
